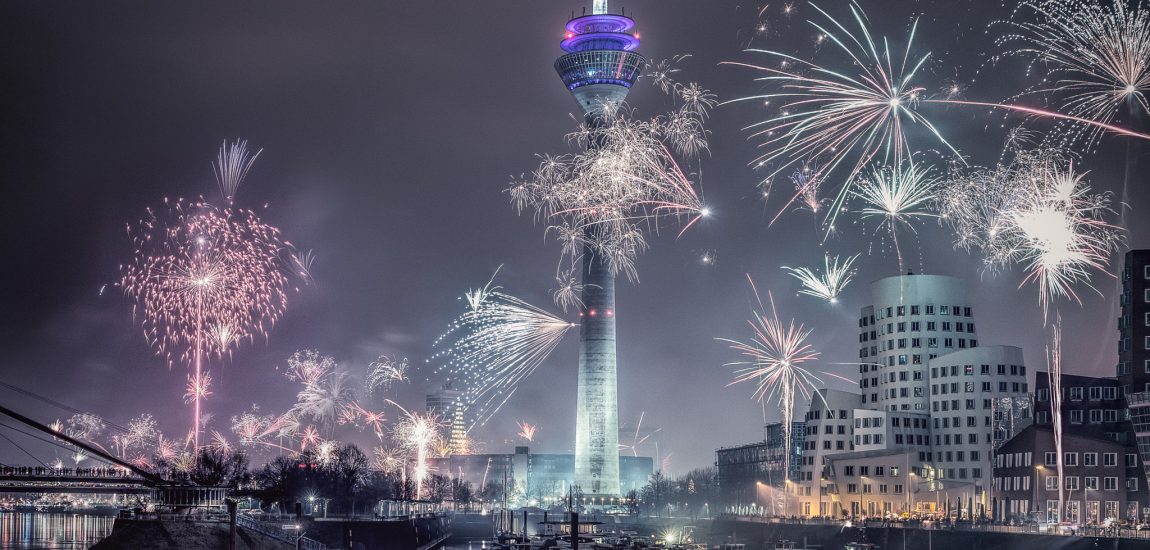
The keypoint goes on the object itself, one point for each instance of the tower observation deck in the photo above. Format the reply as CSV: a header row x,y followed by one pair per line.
x,y
601,63
599,68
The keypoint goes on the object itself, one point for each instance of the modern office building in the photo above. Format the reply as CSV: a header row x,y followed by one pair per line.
x,y
1134,324
599,67
536,479
751,475
1134,349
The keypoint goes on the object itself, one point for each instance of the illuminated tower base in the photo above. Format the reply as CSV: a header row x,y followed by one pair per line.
x,y
599,68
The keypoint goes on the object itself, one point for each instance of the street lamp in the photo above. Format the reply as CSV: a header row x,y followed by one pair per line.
x,y
910,492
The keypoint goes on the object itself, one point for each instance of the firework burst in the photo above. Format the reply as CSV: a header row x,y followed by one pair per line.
x,y
898,196
601,200
827,284
831,116
384,372
527,431
1036,211
774,359
494,345
198,269
417,433
851,118
1096,55
386,460
327,401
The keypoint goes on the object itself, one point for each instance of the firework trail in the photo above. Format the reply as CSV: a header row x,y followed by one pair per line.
x,y
1036,211
775,355
200,273
808,181
1054,377
601,200
417,433
527,431
897,195
828,284
830,116
494,345
384,372
254,429
640,437
301,263
231,167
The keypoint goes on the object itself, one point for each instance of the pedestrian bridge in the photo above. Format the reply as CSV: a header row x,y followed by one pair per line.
x,y
28,479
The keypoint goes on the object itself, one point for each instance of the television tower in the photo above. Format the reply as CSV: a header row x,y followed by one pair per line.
x,y
599,68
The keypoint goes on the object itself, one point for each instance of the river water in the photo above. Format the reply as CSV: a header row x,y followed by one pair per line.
x,y
37,531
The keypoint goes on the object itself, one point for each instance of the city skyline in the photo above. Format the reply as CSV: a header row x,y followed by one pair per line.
x,y
387,181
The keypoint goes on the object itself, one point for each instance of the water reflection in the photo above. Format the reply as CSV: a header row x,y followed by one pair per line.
x,y
27,531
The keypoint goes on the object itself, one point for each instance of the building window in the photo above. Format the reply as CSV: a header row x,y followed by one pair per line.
x,y
1071,483
1091,483
1110,394
1111,484
945,310
1076,394
930,310
1131,460
1131,484
1051,459
1070,459
1076,417
1095,416
1052,483
1089,459
1110,459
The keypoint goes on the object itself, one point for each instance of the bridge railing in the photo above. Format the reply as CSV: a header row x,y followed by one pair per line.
x,y
41,471
277,532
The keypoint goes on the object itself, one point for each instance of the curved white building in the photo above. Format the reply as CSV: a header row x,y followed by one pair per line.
x,y
913,319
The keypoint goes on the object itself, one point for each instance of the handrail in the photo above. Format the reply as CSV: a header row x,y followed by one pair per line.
x,y
252,524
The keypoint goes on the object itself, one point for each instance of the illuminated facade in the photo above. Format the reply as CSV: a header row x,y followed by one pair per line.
x,y
599,68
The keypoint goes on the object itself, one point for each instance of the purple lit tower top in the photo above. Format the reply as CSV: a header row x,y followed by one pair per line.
x,y
601,63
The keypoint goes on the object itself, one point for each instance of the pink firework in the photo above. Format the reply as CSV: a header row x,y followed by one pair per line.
x,y
204,279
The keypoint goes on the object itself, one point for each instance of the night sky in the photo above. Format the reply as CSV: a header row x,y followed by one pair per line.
x,y
390,132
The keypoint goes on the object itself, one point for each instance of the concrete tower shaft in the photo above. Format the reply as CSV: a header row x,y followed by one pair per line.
x,y
599,68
